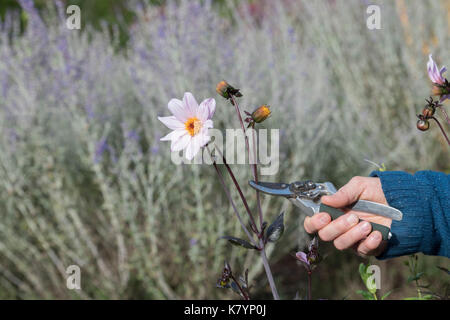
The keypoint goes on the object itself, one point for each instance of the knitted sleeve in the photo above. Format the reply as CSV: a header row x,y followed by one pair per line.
x,y
424,199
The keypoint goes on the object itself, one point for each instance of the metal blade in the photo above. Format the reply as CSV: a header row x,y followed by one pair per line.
x,y
272,188
378,208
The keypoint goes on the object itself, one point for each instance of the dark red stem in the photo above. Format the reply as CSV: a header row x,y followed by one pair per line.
x,y
442,130
245,295
309,285
244,200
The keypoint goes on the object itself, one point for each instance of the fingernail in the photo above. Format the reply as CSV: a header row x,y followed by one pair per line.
x,y
365,226
375,237
352,219
324,219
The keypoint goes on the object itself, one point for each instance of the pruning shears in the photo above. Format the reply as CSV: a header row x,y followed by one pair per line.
x,y
307,196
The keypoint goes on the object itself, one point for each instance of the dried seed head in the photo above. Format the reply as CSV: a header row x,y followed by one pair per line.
x,y
226,90
222,89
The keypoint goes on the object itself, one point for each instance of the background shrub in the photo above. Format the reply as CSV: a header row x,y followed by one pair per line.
x,y
84,179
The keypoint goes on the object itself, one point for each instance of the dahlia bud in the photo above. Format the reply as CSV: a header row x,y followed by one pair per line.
x,y
312,257
261,114
224,280
428,112
423,125
313,254
226,91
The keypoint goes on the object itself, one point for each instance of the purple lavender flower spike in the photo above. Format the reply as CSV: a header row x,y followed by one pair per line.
x,y
193,242
100,148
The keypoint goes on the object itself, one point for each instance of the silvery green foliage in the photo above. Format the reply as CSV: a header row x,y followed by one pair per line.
x,y
85,181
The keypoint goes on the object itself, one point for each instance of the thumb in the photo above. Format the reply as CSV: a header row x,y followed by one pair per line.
x,y
346,195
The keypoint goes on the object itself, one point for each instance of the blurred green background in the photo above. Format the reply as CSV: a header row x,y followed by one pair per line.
x,y
84,179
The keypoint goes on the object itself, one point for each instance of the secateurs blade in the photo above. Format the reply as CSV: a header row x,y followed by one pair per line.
x,y
307,196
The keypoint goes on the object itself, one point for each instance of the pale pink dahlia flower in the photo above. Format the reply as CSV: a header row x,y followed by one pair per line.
x,y
190,123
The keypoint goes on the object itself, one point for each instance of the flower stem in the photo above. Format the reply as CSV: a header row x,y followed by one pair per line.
x,y
247,145
442,130
445,114
255,177
268,271
309,284
244,200
258,200
245,295
222,182
254,165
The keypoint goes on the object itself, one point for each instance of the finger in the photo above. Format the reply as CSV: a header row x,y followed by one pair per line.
x,y
338,227
353,236
370,245
347,194
316,222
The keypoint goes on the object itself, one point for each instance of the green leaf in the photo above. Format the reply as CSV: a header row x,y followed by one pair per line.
x,y
239,242
363,272
366,294
427,297
362,269
411,298
276,229
386,295
415,277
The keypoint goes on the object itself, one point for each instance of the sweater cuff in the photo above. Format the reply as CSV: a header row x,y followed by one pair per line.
x,y
411,196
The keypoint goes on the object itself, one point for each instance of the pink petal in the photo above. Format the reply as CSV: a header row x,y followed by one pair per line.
x,y
204,140
190,103
208,124
172,122
430,68
203,112
210,104
179,110
302,257
174,135
433,71
181,143
194,146
190,154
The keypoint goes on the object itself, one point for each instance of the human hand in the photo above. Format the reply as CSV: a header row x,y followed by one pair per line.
x,y
346,231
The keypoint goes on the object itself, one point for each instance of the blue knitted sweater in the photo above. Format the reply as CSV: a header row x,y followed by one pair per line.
x,y
424,199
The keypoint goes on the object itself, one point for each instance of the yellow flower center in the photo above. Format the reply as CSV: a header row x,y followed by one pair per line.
x,y
193,126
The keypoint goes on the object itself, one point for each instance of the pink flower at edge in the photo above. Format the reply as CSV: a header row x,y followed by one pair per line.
x,y
309,260
190,123
433,71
